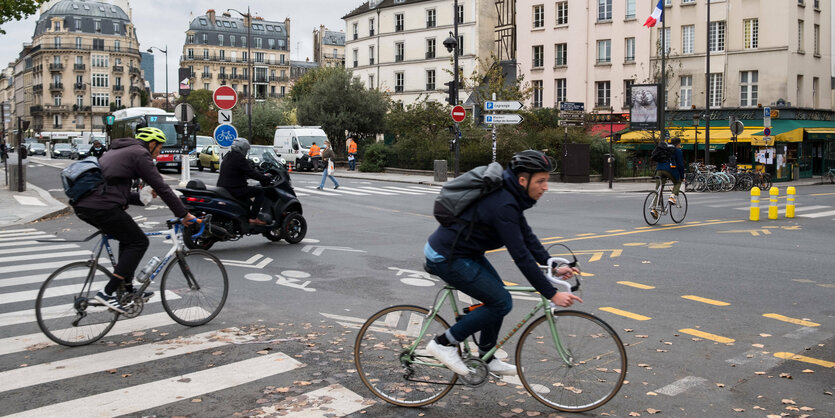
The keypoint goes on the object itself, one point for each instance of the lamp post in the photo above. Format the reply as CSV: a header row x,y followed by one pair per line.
x,y
164,51
248,17
696,118
451,44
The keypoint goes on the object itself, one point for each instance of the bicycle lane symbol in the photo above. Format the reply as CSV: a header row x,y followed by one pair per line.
x,y
290,278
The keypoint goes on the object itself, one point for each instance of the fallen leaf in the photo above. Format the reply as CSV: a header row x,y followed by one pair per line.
x,y
759,373
282,390
721,385
262,352
696,339
111,371
532,413
788,402
643,262
634,414
808,371
641,336
668,343
184,380
792,408
828,393
217,353
126,375
757,345
785,375
739,409
517,410
807,408
773,416
652,394
653,411
643,365
196,400
301,383
759,407
628,329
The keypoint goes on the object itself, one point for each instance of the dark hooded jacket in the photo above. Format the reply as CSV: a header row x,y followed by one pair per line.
x,y
500,221
234,170
129,159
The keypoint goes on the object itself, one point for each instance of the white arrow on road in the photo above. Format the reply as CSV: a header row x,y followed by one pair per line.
x,y
249,263
319,249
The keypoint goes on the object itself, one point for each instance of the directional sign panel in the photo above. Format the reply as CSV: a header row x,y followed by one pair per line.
x,y
564,122
514,105
224,117
571,114
572,106
510,119
225,135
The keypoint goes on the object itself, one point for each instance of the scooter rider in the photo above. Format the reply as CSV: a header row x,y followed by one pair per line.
x,y
234,171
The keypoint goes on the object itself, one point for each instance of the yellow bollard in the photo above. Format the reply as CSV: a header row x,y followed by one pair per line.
x,y
790,192
772,202
755,204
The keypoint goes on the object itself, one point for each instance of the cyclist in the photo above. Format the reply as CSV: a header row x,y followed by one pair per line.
x,y
128,158
234,170
673,170
459,259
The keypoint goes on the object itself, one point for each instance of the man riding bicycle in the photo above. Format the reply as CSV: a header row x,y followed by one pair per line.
x,y
672,169
456,255
104,208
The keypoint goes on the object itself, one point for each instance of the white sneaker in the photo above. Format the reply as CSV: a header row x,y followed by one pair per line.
x,y
448,356
501,368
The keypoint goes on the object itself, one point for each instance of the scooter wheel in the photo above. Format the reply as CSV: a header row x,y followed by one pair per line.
x,y
199,243
294,228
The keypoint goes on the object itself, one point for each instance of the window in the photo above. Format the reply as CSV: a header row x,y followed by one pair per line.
x,y
748,88
243,41
686,93
538,56
398,22
117,45
751,33
717,36
460,45
117,81
101,99
398,51
604,10
629,52
56,119
430,80
537,93
370,55
355,53
561,86
205,38
627,92
205,53
561,55
630,10
78,43
688,39
190,38
430,18
220,39
816,38
115,27
562,13
77,24
258,42
259,57
430,48
370,27
231,40
398,82
205,86
98,61
538,16
371,84
118,101
604,51
815,81
688,1
101,80
79,101
56,100
190,53
98,44
799,92
664,36
97,24
800,36
221,55
604,91
57,26
460,13
715,90
203,22
56,42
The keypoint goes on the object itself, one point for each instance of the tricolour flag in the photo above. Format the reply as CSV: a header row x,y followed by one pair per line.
x,y
656,15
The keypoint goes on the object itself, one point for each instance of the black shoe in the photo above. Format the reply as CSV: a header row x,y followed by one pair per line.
x,y
336,187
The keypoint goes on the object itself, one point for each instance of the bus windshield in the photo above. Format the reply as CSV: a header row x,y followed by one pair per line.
x,y
166,125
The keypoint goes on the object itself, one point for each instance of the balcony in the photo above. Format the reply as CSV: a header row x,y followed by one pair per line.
x,y
276,96
79,86
118,87
371,61
80,126
430,54
79,67
260,79
370,32
57,126
206,75
56,67
398,58
222,76
135,70
56,86
77,108
56,108
134,89
398,28
356,36
37,88
118,69
35,109
356,64
398,89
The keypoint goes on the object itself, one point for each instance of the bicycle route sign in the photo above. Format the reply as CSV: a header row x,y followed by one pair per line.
x,y
225,135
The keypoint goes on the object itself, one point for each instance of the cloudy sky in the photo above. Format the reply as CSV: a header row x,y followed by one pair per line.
x,y
161,22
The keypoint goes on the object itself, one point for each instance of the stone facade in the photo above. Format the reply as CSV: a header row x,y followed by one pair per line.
x,y
328,47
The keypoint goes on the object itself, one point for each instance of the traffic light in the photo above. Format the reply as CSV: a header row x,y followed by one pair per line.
x,y
452,91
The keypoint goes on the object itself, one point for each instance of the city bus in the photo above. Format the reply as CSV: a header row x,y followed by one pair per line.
x,y
126,120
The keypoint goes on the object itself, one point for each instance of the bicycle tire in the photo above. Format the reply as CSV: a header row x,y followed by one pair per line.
x,y
193,277
831,178
382,362
597,364
700,183
56,319
648,209
679,211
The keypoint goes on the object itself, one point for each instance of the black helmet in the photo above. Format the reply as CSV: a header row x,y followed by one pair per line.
x,y
531,161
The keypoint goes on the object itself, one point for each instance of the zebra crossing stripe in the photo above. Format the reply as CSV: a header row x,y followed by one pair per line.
x,y
39,278
319,192
369,191
19,237
18,243
334,400
343,191
427,189
12,231
41,256
817,215
78,366
161,392
39,248
37,266
29,295
402,190
808,208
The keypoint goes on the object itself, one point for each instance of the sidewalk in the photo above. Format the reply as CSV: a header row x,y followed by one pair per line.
x,y
19,208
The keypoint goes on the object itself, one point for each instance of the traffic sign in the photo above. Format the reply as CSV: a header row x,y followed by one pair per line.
x,y
491,105
459,113
225,97
766,116
767,131
736,128
563,122
509,119
224,117
178,112
571,114
225,135
572,106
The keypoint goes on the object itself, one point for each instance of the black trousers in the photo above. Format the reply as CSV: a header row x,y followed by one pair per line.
x,y
251,192
119,225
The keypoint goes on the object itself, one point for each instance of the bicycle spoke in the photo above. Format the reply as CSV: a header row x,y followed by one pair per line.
x,y
200,281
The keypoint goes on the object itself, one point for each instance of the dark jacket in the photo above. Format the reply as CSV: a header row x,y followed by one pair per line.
x,y
97,152
328,154
678,159
234,170
129,159
500,222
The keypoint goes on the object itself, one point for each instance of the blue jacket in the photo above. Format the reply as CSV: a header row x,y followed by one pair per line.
x,y
499,222
678,171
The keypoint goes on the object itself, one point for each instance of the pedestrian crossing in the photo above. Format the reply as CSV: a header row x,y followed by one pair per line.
x,y
303,191
735,203
172,365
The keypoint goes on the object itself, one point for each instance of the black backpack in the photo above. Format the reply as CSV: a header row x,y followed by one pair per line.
x,y
82,178
662,153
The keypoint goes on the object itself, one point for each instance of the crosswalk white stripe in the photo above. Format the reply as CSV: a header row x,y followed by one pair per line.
x,y
40,247
369,191
318,192
114,359
37,266
331,401
154,394
428,189
723,205
41,256
18,243
404,190
808,208
39,235
343,191
56,291
12,231
300,194
818,215
39,278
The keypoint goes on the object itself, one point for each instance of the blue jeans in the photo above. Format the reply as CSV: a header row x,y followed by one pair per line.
x,y
325,175
352,164
477,278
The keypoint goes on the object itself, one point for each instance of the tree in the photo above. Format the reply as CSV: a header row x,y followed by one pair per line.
x,y
266,116
17,9
421,133
304,85
204,110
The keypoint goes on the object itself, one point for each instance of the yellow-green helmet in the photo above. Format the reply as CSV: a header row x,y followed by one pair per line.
x,y
150,134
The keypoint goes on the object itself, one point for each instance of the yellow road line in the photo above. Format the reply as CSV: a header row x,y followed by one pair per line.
x,y
615,230
586,234
507,283
822,194
707,336
706,300
798,357
545,239
791,320
617,311
638,285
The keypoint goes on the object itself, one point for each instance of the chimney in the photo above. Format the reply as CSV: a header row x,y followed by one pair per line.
x,y
211,15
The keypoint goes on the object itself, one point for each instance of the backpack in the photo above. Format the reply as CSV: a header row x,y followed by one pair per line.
x,y
81,178
458,194
662,153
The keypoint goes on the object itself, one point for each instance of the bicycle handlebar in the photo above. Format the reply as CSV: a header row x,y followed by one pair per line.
x,y
560,282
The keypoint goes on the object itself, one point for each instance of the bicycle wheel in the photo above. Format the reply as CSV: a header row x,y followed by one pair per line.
x,y
679,210
714,183
590,376
388,369
65,308
831,176
701,183
651,220
194,287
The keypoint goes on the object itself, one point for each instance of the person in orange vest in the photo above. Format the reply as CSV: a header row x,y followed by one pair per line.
x,y
352,154
315,155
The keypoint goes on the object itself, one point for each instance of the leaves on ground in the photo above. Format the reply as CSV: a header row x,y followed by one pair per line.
x,y
786,375
653,411
788,402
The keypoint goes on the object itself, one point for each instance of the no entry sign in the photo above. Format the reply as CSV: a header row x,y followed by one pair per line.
x,y
225,97
459,113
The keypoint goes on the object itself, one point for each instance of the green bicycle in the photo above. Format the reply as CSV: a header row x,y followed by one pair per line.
x,y
568,360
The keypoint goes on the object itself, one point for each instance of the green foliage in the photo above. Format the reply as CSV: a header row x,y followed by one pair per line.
x,y
201,101
143,98
421,132
266,116
304,85
374,159
17,9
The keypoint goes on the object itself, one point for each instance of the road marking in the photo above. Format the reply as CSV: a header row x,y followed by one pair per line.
x,y
818,215
46,255
791,320
39,278
402,190
641,230
638,285
754,355
426,189
349,192
28,200
798,357
18,244
11,231
706,300
801,333
25,235
38,266
368,191
707,336
375,190
30,295
154,394
332,401
754,232
39,248
615,230
807,208
617,311
318,192
681,385
586,234
822,194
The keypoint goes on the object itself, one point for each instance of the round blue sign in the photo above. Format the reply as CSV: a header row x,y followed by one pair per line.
x,y
767,131
225,134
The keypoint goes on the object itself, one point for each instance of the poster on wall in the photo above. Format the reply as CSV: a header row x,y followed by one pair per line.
x,y
643,110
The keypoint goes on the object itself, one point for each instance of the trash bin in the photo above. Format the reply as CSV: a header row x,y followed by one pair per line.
x,y
440,170
14,173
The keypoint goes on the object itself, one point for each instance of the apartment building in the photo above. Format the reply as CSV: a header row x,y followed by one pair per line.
x,y
218,47
397,45
82,63
7,102
328,47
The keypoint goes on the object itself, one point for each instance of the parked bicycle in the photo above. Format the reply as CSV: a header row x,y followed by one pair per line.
x,y
193,290
655,201
568,360
828,175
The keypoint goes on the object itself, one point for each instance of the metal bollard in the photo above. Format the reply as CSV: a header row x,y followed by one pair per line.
x,y
790,192
755,204
772,202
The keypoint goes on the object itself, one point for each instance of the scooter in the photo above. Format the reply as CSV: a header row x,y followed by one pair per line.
x,y
281,211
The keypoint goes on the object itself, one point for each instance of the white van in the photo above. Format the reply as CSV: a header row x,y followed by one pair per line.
x,y
293,143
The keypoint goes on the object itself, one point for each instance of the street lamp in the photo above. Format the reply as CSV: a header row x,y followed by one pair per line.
x,y
451,44
248,17
696,118
164,51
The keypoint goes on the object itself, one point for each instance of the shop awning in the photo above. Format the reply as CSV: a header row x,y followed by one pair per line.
x,y
718,135
820,134
603,129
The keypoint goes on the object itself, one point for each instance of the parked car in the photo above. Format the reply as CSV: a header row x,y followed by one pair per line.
x,y
80,152
36,148
202,141
62,151
256,153
209,157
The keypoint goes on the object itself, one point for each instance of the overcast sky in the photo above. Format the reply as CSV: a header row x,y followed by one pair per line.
x,y
161,22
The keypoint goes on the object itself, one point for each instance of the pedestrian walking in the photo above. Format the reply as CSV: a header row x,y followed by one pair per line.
x,y
327,169
352,154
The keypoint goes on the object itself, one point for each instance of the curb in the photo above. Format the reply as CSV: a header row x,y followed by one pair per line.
x,y
64,209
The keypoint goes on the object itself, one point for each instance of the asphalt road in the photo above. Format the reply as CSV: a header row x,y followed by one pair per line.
x,y
707,308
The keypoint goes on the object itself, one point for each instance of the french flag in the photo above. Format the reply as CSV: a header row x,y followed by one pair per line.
x,y
656,15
